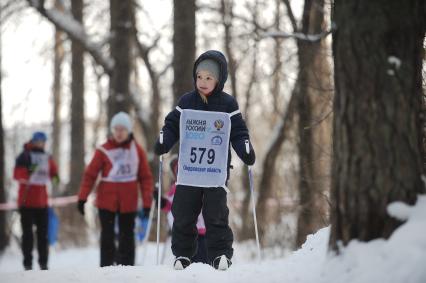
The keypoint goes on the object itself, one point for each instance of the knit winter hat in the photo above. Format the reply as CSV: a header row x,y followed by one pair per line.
x,y
122,119
39,136
209,65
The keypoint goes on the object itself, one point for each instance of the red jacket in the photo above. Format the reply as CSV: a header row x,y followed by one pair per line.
x,y
32,191
118,196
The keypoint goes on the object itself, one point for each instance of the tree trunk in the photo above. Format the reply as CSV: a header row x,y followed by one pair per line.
x,y
277,78
266,181
377,51
314,103
120,46
57,92
69,218
3,223
77,106
183,47
3,233
226,9
99,122
279,135
423,125
150,126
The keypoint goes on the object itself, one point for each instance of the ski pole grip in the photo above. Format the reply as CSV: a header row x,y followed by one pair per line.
x,y
247,146
161,137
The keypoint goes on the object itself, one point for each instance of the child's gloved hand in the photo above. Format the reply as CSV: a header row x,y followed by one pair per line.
x,y
163,201
250,158
159,148
146,211
80,206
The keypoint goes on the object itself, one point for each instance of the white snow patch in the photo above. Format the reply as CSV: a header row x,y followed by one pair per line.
x,y
390,72
399,259
399,210
395,61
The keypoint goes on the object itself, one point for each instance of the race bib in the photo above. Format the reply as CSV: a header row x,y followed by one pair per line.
x,y
203,149
124,162
40,161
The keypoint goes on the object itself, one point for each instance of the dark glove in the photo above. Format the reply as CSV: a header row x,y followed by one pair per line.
x,y
159,148
163,201
146,211
249,158
80,206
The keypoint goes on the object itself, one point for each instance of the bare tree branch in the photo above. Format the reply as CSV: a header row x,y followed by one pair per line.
x,y
291,15
319,121
10,8
279,135
226,10
75,31
143,51
299,36
235,16
165,69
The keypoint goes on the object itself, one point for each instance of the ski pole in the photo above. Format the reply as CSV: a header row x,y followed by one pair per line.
x,y
160,176
247,143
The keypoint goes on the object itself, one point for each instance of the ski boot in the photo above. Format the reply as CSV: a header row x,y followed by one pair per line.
x,y
181,263
221,263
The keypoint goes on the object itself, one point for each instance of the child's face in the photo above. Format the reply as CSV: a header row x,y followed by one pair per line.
x,y
205,82
120,133
39,144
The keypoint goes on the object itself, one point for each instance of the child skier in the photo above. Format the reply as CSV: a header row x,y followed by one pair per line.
x,y
206,121
123,166
34,168
166,206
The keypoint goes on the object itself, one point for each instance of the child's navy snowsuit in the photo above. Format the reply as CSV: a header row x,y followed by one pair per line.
x,y
189,201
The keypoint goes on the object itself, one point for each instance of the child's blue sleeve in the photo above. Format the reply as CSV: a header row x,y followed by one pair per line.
x,y
171,129
239,134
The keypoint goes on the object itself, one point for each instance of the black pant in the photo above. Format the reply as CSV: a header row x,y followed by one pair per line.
x,y
201,254
39,218
126,238
187,205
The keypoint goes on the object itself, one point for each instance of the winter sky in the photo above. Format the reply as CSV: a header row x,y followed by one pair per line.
x,y
27,62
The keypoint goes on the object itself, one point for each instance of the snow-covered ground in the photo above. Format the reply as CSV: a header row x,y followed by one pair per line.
x,y
402,258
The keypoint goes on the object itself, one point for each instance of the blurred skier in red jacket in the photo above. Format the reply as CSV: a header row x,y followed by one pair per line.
x,y
34,169
124,169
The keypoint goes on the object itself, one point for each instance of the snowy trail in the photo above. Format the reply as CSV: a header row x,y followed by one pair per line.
x,y
272,270
194,273
400,259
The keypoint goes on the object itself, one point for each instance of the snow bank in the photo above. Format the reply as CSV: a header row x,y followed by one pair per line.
x,y
400,259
